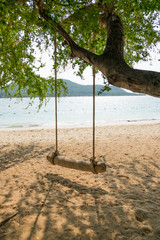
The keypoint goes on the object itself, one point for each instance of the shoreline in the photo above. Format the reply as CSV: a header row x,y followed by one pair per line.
x,y
75,135
120,123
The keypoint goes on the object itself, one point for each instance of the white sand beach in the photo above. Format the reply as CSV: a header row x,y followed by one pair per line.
x,y
51,202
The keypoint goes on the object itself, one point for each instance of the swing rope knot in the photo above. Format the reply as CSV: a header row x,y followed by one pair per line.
x,y
52,156
55,154
93,165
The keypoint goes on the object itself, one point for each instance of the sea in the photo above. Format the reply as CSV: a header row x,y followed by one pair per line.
x,y
78,111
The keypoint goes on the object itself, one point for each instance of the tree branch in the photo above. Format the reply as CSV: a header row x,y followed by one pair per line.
x,y
141,81
53,23
115,35
76,51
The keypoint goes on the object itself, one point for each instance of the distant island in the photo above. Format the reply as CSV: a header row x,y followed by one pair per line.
x,y
75,89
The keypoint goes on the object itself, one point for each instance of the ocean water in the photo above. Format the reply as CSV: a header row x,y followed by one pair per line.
x,y
77,111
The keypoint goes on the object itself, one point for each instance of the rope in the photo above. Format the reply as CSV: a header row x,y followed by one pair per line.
x,y
55,75
93,162
94,112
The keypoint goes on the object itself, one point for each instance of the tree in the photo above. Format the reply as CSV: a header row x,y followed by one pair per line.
x,y
109,34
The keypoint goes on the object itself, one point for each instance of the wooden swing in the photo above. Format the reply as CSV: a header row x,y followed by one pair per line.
x,y
55,158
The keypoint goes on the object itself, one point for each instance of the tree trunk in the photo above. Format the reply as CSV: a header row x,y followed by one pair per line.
x,y
111,63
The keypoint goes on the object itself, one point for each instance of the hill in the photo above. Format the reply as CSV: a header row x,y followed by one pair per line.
x,y
75,89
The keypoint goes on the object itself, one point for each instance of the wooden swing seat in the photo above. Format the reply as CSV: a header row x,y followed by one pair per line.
x,y
76,164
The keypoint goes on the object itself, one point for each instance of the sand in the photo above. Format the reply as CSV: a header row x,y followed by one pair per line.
x,y
51,202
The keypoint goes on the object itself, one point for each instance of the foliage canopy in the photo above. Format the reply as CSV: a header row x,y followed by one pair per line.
x,y
23,30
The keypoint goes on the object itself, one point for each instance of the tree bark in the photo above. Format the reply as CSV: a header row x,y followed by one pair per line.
x,y
111,63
